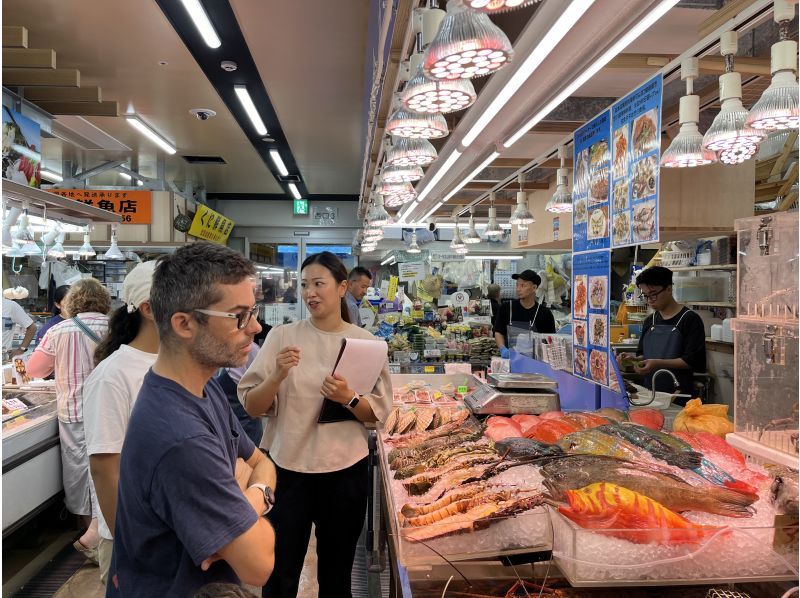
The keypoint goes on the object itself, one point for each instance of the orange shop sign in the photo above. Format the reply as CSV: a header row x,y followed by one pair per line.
x,y
135,207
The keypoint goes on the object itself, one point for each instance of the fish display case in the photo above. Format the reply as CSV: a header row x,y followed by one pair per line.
x,y
766,339
750,551
31,453
506,515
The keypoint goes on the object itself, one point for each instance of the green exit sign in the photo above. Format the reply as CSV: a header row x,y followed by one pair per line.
x,y
300,206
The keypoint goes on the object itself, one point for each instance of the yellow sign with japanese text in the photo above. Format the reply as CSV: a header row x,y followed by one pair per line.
x,y
391,295
211,226
135,207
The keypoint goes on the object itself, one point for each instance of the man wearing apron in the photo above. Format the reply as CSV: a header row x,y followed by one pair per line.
x,y
524,312
673,336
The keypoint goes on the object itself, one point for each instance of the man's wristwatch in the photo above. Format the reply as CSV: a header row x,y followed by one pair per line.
x,y
269,497
353,402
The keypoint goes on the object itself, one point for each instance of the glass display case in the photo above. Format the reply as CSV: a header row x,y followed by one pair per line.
x,y
765,338
31,453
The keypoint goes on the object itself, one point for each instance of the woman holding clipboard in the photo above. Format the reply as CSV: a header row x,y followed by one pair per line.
x,y
322,467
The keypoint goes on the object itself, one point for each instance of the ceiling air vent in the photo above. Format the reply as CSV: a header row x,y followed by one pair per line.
x,y
204,159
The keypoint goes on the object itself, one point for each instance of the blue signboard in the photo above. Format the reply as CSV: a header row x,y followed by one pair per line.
x,y
591,275
591,180
635,165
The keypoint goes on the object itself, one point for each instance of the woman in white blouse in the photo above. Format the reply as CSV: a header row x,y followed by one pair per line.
x,y
322,468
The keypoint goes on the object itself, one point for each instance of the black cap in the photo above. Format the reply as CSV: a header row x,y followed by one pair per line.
x,y
530,276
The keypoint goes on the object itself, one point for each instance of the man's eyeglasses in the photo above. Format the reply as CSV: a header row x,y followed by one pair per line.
x,y
651,296
242,318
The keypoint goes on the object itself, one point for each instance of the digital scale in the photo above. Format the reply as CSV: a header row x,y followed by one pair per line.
x,y
508,394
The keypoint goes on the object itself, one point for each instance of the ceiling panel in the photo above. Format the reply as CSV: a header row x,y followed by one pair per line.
x,y
311,60
117,46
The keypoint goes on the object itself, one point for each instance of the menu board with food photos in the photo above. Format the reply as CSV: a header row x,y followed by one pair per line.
x,y
635,164
591,275
591,180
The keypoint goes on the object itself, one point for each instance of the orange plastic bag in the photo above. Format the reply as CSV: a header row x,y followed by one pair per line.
x,y
697,417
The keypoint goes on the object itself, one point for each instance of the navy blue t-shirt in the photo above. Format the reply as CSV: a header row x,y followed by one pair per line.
x,y
178,500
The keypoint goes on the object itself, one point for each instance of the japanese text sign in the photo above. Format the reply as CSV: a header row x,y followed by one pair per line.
x,y
211,226
135,207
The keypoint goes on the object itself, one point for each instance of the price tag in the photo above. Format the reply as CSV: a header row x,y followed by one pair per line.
x,y
463,390
394,368
432,353
429,369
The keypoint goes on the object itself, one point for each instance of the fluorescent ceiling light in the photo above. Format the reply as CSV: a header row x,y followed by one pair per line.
x,y
387,260
250,108
128,177
51,176
451,159
275,155
493,257
634,32
492,157
560,28
145,130
433,210
202,22
295,191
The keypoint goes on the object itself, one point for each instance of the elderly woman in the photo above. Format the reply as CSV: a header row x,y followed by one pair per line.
x,y
68,350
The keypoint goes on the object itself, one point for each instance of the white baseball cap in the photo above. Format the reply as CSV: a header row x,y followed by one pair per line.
x,y
136,286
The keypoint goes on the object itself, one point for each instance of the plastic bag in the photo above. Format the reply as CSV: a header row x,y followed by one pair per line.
x,y
697,417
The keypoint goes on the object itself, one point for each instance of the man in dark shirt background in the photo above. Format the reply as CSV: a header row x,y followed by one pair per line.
x,y
523,312
673,336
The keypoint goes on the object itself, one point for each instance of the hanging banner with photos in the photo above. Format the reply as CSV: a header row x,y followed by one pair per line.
x,y
635,165
590,184
591,276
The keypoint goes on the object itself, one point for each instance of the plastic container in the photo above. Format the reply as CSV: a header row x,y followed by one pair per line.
x,y
598,558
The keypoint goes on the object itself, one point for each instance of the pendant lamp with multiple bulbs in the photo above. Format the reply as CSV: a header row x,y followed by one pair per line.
x,y
377,214
397,194
467,45
778,106
422,94
686,149
729,135
521,216
561,201
401,174
496,6
411,152
417,125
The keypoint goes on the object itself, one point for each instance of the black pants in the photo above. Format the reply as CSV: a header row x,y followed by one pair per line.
x,y
336,504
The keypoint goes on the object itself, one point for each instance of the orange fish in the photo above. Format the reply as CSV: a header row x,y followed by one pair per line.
x,y
630,516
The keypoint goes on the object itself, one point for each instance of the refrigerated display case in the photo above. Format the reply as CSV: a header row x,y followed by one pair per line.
x,y
31,455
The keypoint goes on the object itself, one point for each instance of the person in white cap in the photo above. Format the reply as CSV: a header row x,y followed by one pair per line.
x,y
123,358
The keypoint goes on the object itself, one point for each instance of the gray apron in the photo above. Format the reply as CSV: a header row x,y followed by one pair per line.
x,y
524,342
665,341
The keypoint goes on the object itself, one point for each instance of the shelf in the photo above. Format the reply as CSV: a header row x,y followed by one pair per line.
x,y
709,304
699,268
58,207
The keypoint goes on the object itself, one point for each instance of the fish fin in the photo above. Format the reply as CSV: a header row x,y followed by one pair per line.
x,y
685,460
741,487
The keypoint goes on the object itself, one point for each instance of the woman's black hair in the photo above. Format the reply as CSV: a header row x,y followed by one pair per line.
x,y
122,329
58,297
335,266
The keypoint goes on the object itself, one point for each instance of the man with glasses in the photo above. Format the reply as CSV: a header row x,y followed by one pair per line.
x,y
673,336
193,488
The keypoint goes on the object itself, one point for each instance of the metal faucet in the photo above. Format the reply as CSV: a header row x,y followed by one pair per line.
x,y
653,388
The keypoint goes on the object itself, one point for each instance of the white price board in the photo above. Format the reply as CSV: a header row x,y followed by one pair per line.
x,y
410,271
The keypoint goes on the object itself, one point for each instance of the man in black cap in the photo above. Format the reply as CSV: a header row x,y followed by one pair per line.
x,y
524,312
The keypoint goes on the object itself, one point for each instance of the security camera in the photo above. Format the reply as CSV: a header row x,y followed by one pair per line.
x,y
431,225
202,113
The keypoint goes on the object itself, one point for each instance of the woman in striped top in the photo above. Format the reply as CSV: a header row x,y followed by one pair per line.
x,y
68,350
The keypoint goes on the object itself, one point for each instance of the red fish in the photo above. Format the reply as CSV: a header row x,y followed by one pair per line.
x,y
586,420
498,428
551,430
526,422
719,452
630,516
